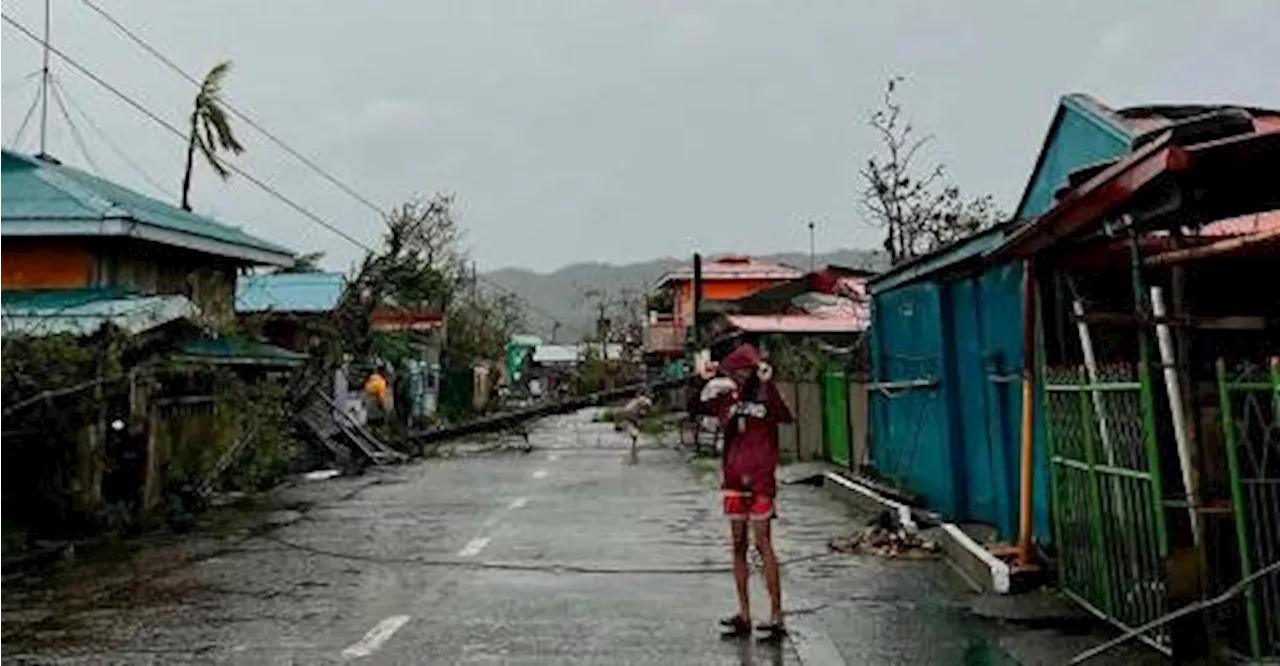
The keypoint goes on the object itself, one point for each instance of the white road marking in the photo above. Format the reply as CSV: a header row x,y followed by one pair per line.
x,y
378,635
553,457
518,503
474,547
540,474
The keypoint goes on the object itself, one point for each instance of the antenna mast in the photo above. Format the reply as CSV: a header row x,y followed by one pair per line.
x,y
44,83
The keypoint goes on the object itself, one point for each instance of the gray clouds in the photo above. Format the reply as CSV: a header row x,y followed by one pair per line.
x,y
627,130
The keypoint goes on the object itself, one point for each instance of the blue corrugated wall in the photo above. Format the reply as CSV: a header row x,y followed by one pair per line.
x,y
911,443
956,443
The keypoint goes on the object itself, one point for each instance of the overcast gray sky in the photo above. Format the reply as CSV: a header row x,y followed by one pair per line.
x,y
619,131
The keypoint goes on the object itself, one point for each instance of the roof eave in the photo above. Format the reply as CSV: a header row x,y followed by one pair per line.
x,y
131,228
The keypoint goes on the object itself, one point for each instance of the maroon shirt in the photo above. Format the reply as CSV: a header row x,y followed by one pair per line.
x,y
751,438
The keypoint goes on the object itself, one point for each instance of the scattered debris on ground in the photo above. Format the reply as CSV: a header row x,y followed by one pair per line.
x,y
885,536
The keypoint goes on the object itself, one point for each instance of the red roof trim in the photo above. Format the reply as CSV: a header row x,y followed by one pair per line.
x,y
1091,201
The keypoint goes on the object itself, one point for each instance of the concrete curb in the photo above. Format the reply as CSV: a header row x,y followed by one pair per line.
x,y
974,563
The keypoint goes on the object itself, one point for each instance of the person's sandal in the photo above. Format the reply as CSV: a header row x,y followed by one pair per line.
x,y
735,627
773,633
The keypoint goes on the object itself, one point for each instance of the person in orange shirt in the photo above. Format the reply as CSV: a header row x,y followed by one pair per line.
x,y
378,394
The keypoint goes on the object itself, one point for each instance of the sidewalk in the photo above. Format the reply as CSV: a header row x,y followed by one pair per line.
x,y
920,611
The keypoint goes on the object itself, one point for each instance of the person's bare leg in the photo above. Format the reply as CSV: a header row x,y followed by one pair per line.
x,y
772,581
741,572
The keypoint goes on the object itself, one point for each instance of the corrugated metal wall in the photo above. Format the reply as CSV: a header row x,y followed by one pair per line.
x,y
909,415
954,436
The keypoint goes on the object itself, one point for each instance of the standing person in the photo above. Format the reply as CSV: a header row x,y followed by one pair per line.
x,y
749,407
629,420
378,395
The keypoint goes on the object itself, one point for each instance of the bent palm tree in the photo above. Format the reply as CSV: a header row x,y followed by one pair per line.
x,y
210,131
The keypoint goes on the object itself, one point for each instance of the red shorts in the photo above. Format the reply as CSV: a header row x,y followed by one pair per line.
x,y
745,505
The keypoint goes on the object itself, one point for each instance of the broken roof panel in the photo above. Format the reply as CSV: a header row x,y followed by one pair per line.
x,y
84,311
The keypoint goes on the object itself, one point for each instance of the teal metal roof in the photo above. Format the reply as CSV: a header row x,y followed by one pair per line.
x,y
237,351
84,311
41,197
973,247
289,292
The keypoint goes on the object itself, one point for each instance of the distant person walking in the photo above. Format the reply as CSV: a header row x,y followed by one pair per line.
x,y
740,392
629,420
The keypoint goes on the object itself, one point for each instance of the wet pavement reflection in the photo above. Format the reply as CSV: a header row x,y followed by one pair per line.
x,y
564,554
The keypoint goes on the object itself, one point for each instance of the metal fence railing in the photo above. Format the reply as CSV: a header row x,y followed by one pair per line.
x,y
1107,504
1250,407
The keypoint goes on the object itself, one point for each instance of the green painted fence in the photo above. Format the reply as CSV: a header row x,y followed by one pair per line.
x,y
1107,504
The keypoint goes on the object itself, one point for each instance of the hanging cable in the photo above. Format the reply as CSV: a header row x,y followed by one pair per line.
x,y
239,171
115,147
76,136
26,120
179,133
280,143
244,117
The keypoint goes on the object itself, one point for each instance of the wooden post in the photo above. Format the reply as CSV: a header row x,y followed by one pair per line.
x,y
1025,476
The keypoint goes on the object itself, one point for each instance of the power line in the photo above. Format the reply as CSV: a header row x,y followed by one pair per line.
x,y
22,128
115,148
234,111
178,133
76,136
336,182
232,167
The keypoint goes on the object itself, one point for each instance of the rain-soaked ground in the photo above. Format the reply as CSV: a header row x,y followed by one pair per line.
x,y
566,554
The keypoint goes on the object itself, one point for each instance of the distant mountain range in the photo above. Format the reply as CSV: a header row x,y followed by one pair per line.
x,y
560,295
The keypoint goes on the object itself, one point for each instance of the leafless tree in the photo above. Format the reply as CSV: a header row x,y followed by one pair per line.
x,y
918,209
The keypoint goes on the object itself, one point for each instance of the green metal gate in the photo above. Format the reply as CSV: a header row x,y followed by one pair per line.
x,y
835,415
1107,505
1250,403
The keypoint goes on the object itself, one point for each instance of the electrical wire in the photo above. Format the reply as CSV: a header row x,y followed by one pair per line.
x,y
1227,595
115,147
22,128
244,117
553,568
273,192
280,143
137,106
76,136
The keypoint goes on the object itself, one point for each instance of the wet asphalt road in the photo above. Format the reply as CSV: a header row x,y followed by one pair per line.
x,y
565,555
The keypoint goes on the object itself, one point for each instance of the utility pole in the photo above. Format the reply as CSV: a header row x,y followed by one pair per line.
x,y
812,267
695,329
44,82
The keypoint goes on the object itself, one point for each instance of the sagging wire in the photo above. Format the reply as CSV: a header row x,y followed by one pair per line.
x,y
74,129
551,568
1203,604
26,120
115,147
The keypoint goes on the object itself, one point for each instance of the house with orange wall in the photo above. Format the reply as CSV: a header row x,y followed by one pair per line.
x,y
726,278
65,229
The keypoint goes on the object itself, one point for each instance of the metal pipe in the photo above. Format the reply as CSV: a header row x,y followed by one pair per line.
x,y
1091,368
44,82
1173,387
